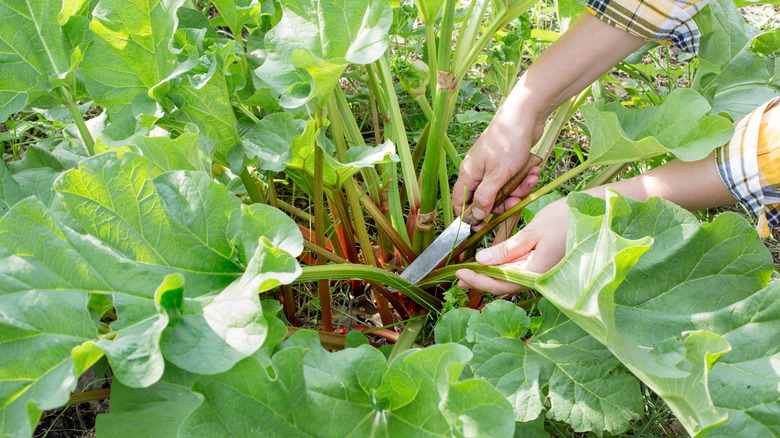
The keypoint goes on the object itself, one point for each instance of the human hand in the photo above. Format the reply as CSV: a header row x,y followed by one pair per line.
x,y
536,248
499,154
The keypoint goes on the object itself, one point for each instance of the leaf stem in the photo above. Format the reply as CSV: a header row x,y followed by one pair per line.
x,y
406,340
251,187
348,271
353,199
500,272
73,109
323,286
88,396
398,134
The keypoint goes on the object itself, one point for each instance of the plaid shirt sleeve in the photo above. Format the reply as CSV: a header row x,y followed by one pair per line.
x,y
749,164
666,21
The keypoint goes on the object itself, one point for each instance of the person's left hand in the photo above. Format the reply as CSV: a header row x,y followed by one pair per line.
x,y
536,248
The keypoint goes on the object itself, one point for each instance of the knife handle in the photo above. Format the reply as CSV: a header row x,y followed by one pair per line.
x,y
533,160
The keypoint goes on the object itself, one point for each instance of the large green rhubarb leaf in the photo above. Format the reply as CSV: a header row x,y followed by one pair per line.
x,y
202,93
335,173
169,255
10,191
238,13
189,151
129,54
680,125
44,321
670,310
35,53
350,393
559,364
315,41
267,144
155,411
34,175
734,78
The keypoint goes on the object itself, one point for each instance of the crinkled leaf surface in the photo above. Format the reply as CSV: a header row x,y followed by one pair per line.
x,y
129,54
680,125
37,366
35,51
202,92
585,384
664,315
267,144
350,393
155,411
189,151
165,251
239,13
33,175
713,278
734,78
315,41
10,191
335,173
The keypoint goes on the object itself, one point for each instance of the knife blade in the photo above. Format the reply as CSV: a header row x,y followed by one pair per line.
x,y
459,230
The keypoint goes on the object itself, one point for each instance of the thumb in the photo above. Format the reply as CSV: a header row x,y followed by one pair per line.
x,y
485,195
507,251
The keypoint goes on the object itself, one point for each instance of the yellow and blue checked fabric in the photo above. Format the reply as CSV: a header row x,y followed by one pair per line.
x,y
665,21
749,164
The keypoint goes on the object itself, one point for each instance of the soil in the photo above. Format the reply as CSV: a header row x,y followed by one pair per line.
x,y
78,420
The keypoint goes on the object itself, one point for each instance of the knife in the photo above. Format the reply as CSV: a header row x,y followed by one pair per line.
x,y
459,230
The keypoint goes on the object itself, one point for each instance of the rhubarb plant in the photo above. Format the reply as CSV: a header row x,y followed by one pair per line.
x,y
644,292
146,234
178,259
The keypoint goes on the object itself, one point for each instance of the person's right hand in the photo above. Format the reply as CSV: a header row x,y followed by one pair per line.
x,y
498,154
536,248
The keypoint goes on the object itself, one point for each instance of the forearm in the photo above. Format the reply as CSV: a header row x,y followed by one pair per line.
x,y
581,55
692,185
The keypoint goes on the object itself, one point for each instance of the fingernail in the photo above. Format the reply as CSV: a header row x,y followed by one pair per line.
x,y
477,213
484,257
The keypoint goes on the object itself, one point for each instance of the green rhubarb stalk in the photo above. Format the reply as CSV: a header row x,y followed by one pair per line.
x,y
424,230
323,285
395,211
500,272
406,340
606,175
353,199
73,109
348,271
320,251
444,49
353,135
461,64
250,186
554,127
449,148
446,199
343,125
286,294
468,33
395,130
